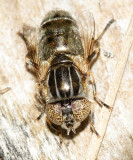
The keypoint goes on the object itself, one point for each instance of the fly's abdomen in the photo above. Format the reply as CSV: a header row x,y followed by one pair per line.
x,y
59,34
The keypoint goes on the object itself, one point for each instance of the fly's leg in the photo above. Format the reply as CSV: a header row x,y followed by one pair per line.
x,y
40,116
57,131
39,95
28,36
94,55
100,102
105,29
91,115
96,46
52,127
41,100
30,64
42,110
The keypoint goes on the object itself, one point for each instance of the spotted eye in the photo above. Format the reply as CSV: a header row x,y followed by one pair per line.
x,y
81,109
54,113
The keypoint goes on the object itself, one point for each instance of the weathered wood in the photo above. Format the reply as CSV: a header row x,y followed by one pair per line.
x,y
105,114
3,91
21,135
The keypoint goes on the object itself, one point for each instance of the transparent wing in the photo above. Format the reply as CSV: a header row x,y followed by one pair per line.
x,y
29,35
86,24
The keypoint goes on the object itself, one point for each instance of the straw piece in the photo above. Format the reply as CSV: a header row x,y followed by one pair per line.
x,y
96,142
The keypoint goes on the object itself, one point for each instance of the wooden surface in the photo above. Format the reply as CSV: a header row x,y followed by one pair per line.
x,y
21,135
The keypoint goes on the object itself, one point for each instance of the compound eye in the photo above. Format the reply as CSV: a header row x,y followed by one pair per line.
x,y
81,109
54,113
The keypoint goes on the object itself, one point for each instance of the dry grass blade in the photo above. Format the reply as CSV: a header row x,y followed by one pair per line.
x,y
2,91
95,142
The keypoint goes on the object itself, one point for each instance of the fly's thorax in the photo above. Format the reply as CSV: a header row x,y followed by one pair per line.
x,y
64,80
58,33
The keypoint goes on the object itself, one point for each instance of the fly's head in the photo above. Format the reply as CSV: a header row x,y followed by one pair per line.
x,y
68,114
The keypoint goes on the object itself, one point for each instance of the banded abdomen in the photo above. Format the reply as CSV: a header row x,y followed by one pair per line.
x,y
59,34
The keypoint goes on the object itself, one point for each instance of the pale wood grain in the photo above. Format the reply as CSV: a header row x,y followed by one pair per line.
x,y
21,135
105,114
2,91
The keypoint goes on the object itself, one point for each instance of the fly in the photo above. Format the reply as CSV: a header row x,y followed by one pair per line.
x,y
61,58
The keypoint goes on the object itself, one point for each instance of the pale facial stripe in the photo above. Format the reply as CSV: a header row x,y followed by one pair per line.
x,y
71,86
79,80
57,91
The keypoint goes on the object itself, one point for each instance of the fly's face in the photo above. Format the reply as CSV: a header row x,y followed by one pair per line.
x,y
68,115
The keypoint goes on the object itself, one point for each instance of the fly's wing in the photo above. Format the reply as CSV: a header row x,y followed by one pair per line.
x,y
30,33
29,36
31,39
86,26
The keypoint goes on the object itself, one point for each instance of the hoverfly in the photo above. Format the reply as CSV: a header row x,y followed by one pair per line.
x,y
61,58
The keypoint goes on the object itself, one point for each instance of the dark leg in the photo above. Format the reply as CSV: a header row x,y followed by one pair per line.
x,y
94,55
96,51
100,102
39,95
105,29
57,131
30,62
92,121
40,116
42,110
